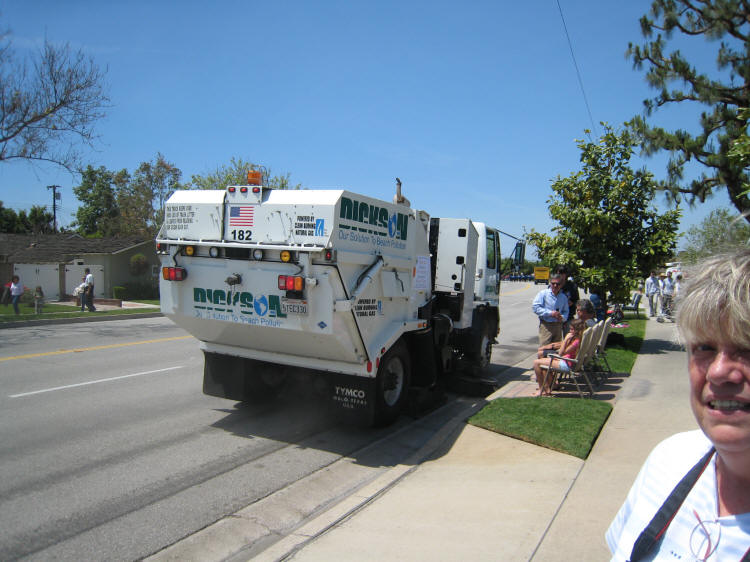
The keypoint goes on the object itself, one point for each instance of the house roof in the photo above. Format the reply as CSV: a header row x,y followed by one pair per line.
x,y
59,248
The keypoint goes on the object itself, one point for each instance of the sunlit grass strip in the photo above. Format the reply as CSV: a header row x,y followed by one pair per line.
x,y
567,425
71,312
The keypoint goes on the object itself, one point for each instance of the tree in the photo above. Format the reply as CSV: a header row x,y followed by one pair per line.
x,y
40,220
235,173
720,232
723,92
739,153
121,204
141,197
49,104
608,230
99,213
9,220
37,221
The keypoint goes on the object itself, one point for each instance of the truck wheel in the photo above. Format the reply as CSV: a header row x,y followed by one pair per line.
x,y
392,384
485,349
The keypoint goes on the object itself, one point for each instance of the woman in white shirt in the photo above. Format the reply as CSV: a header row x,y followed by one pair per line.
x,y
16,290
691,500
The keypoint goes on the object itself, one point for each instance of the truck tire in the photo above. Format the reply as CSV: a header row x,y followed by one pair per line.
x,y
392,384
485,348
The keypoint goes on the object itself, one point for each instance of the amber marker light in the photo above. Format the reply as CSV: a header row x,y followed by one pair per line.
x,y
286,255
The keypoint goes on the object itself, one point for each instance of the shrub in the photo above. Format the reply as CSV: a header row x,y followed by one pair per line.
x,y
138,265
119,292
139,291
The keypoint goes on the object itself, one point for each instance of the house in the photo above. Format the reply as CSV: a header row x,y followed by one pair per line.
x,y
56,262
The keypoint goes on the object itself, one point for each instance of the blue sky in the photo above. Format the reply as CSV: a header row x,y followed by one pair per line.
x,y
475,105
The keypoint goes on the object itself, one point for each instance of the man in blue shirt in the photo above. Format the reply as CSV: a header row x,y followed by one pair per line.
x,y
551,306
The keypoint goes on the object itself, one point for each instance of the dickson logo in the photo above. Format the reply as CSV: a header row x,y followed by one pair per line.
x,y
364,213
243,302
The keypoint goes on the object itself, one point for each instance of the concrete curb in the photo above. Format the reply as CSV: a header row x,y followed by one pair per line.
x,y
349,507
304,510
93,318
328,520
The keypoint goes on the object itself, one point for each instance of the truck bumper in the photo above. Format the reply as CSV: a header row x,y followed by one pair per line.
x,y
248,380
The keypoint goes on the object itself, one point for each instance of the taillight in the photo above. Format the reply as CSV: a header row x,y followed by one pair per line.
x,y
173,273
291,283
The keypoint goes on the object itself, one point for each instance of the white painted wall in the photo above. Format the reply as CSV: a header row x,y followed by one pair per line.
x,y
45,276
74,273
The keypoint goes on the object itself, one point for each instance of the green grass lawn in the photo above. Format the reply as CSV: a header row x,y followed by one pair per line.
x,y
622,358
568,425
51,310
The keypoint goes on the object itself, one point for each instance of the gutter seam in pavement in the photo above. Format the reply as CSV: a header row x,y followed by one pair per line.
x,y
557,511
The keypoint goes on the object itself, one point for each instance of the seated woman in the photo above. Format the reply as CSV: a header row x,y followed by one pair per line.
x,y
586,312
568,350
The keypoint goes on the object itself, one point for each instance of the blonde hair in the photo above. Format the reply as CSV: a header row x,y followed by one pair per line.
x,y
714,305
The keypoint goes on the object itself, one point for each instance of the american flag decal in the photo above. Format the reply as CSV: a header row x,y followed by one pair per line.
x,y
241,216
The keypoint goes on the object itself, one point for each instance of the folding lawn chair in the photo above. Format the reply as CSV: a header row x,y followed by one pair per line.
x,y
577,375
598,365
635,305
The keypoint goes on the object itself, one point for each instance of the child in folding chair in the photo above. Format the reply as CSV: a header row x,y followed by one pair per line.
x,y
568,350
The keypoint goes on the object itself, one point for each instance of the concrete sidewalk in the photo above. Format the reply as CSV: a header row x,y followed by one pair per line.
x,y
485,496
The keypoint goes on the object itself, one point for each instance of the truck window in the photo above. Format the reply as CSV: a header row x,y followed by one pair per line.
x,y
491,249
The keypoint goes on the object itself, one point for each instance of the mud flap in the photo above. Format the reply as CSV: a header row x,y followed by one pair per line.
x,y
242,379
352,396
223,377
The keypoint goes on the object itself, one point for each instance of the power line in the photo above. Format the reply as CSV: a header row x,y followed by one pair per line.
x,y
578,72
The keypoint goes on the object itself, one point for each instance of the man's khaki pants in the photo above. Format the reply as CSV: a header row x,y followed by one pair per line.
x,y
549,332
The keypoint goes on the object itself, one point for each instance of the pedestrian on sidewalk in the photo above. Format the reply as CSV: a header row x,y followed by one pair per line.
x,y
691,499
16,292
551,306
88,294
667,292
652,293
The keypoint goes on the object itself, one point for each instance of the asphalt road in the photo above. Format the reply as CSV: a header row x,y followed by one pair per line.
x,y
109,449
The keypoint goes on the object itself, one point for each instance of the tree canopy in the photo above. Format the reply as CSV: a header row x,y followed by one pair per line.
x,y
608,231
235,173
37,221
121,204
720,232
723,91
49,104
99,213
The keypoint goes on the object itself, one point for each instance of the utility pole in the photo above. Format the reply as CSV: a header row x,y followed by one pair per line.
x,y
55,197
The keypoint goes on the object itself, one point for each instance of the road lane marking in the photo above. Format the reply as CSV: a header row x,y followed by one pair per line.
x,y
67,386
96,348
515,291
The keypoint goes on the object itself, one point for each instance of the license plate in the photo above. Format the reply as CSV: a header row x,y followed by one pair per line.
x,y
294,307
